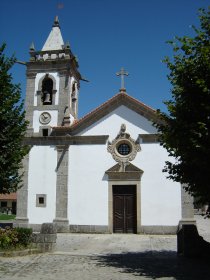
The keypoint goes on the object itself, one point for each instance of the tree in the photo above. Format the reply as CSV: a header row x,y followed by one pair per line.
x,y
185,129
12,128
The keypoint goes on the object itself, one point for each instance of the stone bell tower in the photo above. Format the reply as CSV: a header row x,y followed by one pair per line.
x,y
53,82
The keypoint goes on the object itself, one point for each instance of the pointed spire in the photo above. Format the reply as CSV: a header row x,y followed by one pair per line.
x,y
32,48
54,40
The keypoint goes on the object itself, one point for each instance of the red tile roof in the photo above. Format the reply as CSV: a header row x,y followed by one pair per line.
x,y
11,196
105,104
119,99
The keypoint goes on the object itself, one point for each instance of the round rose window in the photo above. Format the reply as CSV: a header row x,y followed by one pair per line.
x,y
124,149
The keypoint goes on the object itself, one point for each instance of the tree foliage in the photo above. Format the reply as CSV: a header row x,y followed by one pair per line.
x,y
185,129
12,127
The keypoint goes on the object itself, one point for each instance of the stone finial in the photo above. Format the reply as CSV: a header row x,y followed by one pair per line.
x,y
122,131
123,128
56,22
67,45
32,48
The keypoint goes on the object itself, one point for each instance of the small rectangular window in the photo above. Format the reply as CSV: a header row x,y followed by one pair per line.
x,y
4,204
45,132
41,200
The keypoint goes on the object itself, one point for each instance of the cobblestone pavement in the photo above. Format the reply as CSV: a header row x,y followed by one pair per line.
x,y
110,257
127,266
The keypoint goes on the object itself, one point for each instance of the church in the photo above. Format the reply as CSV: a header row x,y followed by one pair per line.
x,y
98,174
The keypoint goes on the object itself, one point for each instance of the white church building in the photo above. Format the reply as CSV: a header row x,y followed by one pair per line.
x,y
101,173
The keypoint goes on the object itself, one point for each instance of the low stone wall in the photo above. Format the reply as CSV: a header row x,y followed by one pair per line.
x,y
158,230
45,241
88,229
190,243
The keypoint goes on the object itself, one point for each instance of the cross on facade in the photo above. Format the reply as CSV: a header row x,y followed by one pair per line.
x,y
122,73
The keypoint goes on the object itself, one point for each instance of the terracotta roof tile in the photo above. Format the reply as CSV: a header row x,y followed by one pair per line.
x,y
103,109
11,196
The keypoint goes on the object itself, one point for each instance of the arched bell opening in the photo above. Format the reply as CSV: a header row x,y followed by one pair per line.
x,y
47,91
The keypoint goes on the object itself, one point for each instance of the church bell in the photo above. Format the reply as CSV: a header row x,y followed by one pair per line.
x,y
47,99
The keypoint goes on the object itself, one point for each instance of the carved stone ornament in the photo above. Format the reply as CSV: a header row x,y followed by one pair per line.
x,y
123,148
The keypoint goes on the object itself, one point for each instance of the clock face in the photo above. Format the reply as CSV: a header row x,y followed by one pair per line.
x,y
45,118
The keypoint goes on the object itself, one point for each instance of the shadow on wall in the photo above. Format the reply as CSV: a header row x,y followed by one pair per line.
x,y
158,264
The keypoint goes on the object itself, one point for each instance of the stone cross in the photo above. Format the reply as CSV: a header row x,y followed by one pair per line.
x,y
122,73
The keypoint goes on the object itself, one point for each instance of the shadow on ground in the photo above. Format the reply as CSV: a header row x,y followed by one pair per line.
x,y
158,264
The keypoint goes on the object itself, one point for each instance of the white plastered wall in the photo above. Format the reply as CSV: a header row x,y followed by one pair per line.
x,y
110,124
36,122
160,197
42,180
88,187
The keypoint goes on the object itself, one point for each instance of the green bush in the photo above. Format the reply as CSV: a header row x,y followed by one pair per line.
x,y
8,238
24,236
15,237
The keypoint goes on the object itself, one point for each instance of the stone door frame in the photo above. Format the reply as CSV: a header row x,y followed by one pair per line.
x,y
110,202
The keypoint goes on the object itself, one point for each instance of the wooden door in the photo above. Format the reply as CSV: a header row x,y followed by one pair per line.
x,y
124,209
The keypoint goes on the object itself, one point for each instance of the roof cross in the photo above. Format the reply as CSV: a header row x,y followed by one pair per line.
x,y
122,73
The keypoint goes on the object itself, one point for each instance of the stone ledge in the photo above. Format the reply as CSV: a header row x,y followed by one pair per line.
x,y
61,224
190,243
65,140
159,230
20,253
88,229
189,221
149,138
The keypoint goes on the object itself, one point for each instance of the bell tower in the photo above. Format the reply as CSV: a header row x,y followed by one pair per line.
x,y
53,82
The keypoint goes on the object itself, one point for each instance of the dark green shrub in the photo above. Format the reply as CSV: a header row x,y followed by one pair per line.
x,y
8,238
24,236
15,237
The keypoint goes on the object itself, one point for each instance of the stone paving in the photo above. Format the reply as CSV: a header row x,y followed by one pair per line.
x,y
112,257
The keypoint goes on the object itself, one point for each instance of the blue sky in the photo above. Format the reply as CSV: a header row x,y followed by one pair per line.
x,y
105,35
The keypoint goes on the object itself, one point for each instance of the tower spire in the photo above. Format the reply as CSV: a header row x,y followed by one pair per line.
x,y
32,48
54,40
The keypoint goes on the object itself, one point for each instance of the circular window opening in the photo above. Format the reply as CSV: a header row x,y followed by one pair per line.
x,y
124,149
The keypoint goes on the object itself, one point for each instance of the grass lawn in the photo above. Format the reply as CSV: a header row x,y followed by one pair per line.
x,y
7,217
